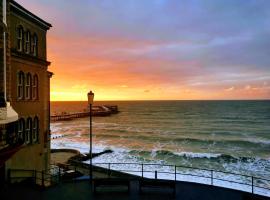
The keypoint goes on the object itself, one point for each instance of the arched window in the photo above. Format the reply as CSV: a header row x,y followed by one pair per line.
x,y
28,131
28,86
20,85
21,130
27,42
20,38
35,87
35,130
35,45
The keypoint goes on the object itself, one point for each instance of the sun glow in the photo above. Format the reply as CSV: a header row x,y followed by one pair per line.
x,y
145,54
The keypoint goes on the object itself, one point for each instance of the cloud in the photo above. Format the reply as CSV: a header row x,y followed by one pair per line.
x,y
248,87
197,45
230,89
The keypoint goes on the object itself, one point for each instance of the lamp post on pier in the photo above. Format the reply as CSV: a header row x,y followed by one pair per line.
x,y
90,96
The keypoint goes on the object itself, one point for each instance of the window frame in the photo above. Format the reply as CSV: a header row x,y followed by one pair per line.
x,y
35,95
35,130
27,42
20,85
28,87
20,34
21,129
28,131
34,45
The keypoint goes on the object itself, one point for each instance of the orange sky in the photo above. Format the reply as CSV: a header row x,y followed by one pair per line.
x,y
114,75
156,50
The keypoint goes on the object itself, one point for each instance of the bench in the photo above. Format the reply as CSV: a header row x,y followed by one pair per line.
x,y
156,183
110,182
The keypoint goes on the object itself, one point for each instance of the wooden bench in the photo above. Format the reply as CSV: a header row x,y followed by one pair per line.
x,y
156,183
110,182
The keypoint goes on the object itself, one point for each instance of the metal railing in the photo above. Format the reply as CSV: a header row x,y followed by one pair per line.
x,y
251,184
50,177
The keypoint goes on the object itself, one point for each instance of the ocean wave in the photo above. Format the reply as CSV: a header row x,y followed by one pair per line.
x,y
196,155
217,161
259,141
115,130
247,142
227,142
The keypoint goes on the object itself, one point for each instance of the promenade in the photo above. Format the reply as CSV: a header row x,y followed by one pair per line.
x,y
81,190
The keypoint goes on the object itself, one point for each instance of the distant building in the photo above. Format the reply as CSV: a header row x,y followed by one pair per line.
x,y
24,90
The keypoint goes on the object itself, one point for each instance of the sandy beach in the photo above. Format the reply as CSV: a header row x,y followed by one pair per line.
x,y
61,157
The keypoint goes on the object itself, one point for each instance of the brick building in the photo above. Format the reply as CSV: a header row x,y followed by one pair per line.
x,y
24,90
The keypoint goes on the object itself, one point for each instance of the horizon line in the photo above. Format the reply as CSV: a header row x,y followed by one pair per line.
x,y
167,100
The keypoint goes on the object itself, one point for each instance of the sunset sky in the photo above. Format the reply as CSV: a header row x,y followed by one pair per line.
x,y
157,49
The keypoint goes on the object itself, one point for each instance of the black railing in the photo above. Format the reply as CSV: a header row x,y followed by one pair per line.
x,y
252,184
50,177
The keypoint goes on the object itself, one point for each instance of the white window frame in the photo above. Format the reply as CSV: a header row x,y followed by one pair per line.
x,y
35,130
20,38
21,125
28,130
35,88
20,85
27,42
34,45
28,86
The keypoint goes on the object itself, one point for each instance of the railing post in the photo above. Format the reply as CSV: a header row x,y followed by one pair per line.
x,y
109,171
212,177
252,184
156,174
142,170
59,174
42,178
175,172
35,176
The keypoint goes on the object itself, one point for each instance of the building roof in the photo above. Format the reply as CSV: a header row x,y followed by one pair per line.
x,y
26,13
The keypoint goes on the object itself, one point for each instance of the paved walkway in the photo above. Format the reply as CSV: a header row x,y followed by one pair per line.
x,y
81,190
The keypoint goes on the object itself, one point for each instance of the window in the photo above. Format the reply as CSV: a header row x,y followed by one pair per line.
x,y
35,87
20,38
34,45
27,42
20,85
28,131
21,125
35,130
28,86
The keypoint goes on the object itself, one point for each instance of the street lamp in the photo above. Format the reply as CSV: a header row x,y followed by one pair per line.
x,y
90,96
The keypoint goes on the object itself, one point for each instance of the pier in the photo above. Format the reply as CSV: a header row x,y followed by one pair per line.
x,y
98,111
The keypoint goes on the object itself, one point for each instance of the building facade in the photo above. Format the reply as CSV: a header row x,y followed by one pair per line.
x,y
25,87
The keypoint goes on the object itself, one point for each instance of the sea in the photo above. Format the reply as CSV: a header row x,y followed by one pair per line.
x,y
225,136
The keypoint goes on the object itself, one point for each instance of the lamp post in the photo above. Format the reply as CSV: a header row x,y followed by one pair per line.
x,y
90,96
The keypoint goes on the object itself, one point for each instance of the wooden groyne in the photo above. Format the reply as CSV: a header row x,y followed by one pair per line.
x,y
99,111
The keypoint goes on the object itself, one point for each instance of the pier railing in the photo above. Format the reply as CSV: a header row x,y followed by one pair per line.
x,y
101,111
251,184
